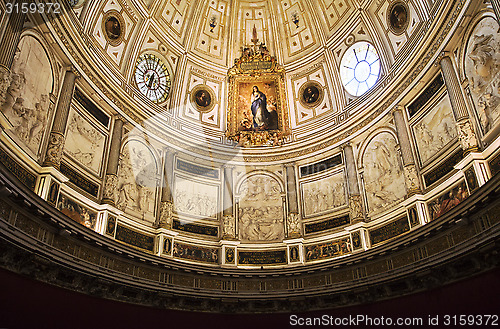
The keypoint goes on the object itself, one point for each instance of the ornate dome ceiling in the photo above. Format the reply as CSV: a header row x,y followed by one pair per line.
x,y
199,41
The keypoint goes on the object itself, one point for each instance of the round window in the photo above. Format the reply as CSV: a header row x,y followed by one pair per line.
x,y
360,68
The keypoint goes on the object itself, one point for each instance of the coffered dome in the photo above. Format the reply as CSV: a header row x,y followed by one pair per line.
x,y
199,41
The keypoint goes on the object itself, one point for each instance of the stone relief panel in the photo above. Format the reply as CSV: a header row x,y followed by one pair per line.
x,y
482,66
137,180
27,103
435,131
84,142
196,198
324,195
383,174
260,215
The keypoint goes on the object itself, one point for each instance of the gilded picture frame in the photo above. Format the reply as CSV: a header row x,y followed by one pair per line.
x,y
257,114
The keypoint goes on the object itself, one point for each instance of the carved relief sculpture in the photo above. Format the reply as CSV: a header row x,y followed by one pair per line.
x,y
166,214
293,225
355,207
137,180
384,180
482,66
110,187
84,142
5,81
467,136
55,149
195,198
228,227
261,209
435,130
26,102
411,176
324,195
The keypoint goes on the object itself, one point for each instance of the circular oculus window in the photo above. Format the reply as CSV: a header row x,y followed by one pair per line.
x,y
152,78
360,68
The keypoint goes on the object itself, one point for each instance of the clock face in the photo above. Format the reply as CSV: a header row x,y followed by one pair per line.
x,y
152,78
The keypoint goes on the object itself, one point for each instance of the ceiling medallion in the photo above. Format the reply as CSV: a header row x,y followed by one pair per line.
x,y
398,17
203,98
152,78
73,3
257,113
113,26
311,94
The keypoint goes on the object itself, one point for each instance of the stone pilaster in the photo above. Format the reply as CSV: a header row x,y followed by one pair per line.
x,y
111,179
11,36
228,219
165,217
409,168
355,204
9,42
55,148
458,102
293,220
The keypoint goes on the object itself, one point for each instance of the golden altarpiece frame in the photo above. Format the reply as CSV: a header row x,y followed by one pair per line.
x,y
257,114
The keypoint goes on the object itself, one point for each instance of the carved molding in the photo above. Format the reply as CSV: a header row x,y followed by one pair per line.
x,y
467,136
110,188
228,227
5,81
54,153
356,208
293,225
166,214
411,177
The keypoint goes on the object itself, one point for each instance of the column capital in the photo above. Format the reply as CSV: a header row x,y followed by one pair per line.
x,y
74,70
442,55
119,117
398,108
345,145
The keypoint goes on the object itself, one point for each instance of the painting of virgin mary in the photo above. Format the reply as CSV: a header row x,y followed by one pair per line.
x,y
259,108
